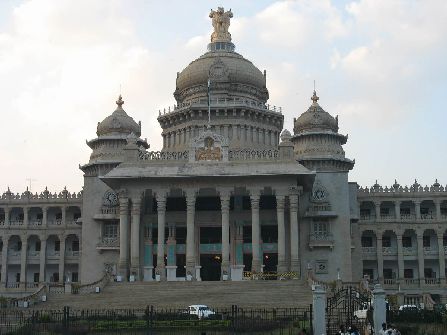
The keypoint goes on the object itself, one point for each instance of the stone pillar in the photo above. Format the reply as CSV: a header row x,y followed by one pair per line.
x,y
294,234
5,258
397,210
62,259
379,257
123,262
379,304
256,263
237,270
25,216
161,210
225,207
420,241
135,238
319,310
377,208
282,266
171,267
441,256
148,256
43,256
44,216
400,257
417,209
23,259
190,233
438,209
7,212
64,215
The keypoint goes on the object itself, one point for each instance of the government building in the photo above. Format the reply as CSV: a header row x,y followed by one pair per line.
x,y
231,195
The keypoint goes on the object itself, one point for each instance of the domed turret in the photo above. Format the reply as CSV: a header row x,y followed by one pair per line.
x,y
317,143
223,91
118,122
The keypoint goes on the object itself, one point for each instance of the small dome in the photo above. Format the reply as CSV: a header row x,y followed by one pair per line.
x,y
118,122
285,136
315,119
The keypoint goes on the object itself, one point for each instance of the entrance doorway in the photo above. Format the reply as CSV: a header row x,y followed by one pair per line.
x,y
270,262
210,264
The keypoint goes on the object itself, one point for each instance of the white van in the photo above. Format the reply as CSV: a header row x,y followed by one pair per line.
x,y
202,311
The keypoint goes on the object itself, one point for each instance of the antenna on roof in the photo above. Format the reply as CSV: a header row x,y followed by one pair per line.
x,y
314,84
30,180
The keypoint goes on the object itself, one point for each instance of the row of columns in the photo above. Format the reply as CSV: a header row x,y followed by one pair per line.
x,y
42,259
26,221
191,266
245,134
417,208
420,254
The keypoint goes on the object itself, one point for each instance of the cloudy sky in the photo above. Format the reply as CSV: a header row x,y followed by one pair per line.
x,y
378,64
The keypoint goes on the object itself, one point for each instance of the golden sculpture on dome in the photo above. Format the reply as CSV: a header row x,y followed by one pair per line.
x,y
221,23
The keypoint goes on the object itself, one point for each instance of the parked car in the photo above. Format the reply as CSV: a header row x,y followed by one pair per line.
x,y
202,311
408,308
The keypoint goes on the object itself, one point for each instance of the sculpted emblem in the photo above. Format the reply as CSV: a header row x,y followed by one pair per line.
x,y
208,152
218,70
221,23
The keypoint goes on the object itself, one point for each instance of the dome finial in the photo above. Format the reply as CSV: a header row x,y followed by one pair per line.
x,y
120,101
221,23
314,98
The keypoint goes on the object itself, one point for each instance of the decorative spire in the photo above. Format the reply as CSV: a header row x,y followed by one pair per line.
x,y
221,23
120,102
315,98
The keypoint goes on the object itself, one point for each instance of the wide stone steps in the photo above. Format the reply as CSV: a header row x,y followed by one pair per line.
x,y
257,294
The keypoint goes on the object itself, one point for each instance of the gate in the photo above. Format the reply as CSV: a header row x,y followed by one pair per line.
x,y
349,307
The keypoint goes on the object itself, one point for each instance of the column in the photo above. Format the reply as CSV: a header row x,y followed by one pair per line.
x,y
123,262
135,238
25,216
256,264
379,256
148,252
379,304
161,210
7,212
282,266
420,242
171,267
44,216
23,259
417,209
400,257
64,215
43,255
319,310
190,240
397,210
377,208
294,234
62,259
225,207
5,258
441,256
438,209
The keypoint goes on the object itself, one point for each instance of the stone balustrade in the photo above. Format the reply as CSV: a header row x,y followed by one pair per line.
x,y
389,251
369,250
44,195
409,251
431,251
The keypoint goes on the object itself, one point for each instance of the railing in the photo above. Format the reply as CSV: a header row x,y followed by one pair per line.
x,y
110,210
72,253
431,251
14,255
411,281
387,217
35,222
369,250
56,288
109,242
427,217
31,299
43,195
12,285
164,155
56,222
253,154
389,250
407,217
367,217
16,222
91,288
432,281
53,253
321,237
33,254
31,285
389,282
409,251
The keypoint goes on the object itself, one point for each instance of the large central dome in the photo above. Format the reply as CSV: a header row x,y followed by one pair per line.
x,y
224,92
230,74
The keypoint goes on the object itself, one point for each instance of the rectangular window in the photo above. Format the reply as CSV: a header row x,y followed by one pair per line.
x,y
110,230
18,277
408,273
406,241
74,277
426,241
388,273
37,245
386,241
19,245
36,277
57,245
75,246
367,241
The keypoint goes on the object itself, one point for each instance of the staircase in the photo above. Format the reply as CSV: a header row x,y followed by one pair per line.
x,y
254,293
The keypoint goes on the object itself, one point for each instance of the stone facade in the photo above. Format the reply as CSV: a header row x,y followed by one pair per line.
x,y
229,193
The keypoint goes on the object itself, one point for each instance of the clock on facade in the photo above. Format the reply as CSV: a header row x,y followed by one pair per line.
x,y
110,199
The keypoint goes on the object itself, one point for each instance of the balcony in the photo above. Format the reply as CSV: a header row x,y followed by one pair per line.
x,y
107,213
387,217
14,255
320,210
389,282
109,243
35,222
409,251
411,282
56,222
16,222
33,254
367,218
407,217
321,240
72,253
432,281
369,250
389,251
53,254
431,251
427,217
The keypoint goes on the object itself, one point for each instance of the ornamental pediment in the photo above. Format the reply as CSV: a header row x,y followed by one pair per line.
x,y
209,146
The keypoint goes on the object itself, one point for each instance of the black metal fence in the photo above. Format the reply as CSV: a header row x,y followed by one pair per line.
x,y
234,320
